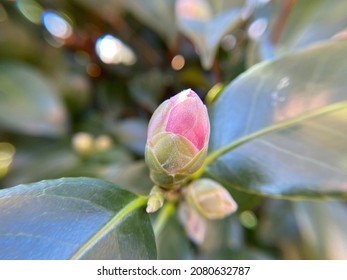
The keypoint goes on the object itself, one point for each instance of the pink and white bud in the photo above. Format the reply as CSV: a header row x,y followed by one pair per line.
x,y
210,199
177,139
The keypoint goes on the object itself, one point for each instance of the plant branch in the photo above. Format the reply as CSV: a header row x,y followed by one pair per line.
x,y
164,215
285,9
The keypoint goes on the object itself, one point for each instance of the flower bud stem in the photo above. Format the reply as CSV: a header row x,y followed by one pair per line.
x,y
164,215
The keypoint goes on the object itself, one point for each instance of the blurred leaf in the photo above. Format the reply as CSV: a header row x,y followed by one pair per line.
x,y
225,239
132,133
284,126
74,89
108,9
259,45
193,77
157,14
173,243
222,234
28,103
147,88
54,160
247,253
150,12
305,25
133,176
115,155
278,228
79,218
206,24
12,33
323,227
308,24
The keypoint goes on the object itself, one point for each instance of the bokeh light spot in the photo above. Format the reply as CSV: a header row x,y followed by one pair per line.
x,y
93,70
56,25
7,152
113,51
248,219
177,63
257,28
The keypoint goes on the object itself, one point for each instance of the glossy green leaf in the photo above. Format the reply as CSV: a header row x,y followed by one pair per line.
x,y
173,243
206,22
323,227
28,103
280,128
74,218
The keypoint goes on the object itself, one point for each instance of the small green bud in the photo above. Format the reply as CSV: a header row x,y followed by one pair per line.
x,y
210,199
155,200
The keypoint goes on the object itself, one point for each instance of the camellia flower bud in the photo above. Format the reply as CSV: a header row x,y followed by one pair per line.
x,y
210,199
155,199
177,139
194,224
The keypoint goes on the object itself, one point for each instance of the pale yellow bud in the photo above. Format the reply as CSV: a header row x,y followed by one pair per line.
x,y
210,199
103,143
83,143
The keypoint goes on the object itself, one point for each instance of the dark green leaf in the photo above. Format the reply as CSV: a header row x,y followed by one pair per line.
x,y
78,218
173,243
282,126
28,103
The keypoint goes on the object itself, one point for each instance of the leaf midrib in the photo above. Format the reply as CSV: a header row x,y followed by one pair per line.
x,y
279,126
109,226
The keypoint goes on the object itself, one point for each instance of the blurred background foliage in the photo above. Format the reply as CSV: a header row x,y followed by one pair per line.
x,y
79,80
